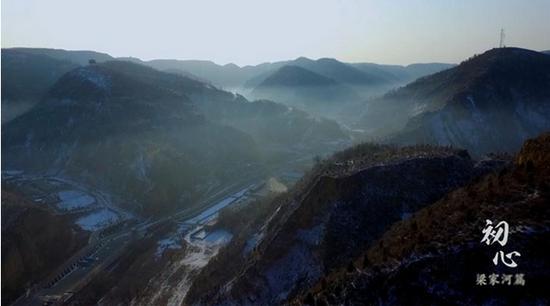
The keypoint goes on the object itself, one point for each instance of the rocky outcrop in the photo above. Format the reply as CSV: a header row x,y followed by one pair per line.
x,y
343,207
434,257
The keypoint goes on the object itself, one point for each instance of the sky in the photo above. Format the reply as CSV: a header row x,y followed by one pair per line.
x,y
248,32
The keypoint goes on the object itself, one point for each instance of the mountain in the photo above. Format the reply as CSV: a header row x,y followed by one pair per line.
x,y
267,122
369,79
358,74
434,257
354,83
241,78
337,210
30,72
294,76
341,72
491,102
117,118
187,75
285,131
150,145
298,87
228,76
27,77
165,139
233,76
415,71
401,74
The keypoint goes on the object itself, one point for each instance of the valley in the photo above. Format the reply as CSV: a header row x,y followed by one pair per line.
x,y
110,238
302,181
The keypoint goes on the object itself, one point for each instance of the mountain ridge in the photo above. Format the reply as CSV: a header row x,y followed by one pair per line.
x,y
411,259
343,204
491,102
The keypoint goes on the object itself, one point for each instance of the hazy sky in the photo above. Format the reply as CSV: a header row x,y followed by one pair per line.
x,y
250,32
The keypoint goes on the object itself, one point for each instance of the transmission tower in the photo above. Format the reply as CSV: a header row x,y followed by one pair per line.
x,y
501,45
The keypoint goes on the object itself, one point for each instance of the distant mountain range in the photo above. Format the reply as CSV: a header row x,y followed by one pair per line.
x,y
231,76
353,82
491,102
331,88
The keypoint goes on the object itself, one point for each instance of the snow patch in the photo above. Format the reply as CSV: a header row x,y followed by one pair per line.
x,y
12,172
197,254
217,237
73,199
476,114
94,77
252,243
167,244
211,212
98,219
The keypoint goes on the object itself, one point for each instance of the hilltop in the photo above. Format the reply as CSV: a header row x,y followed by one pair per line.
x,y
490,102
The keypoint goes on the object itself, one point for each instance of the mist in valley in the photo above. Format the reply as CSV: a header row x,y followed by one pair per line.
x,y
247,160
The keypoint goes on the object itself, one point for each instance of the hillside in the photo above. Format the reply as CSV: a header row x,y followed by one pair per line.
x,y
269,123
165,139
433,257
111,118
491,102
337,210
341,72
34,243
